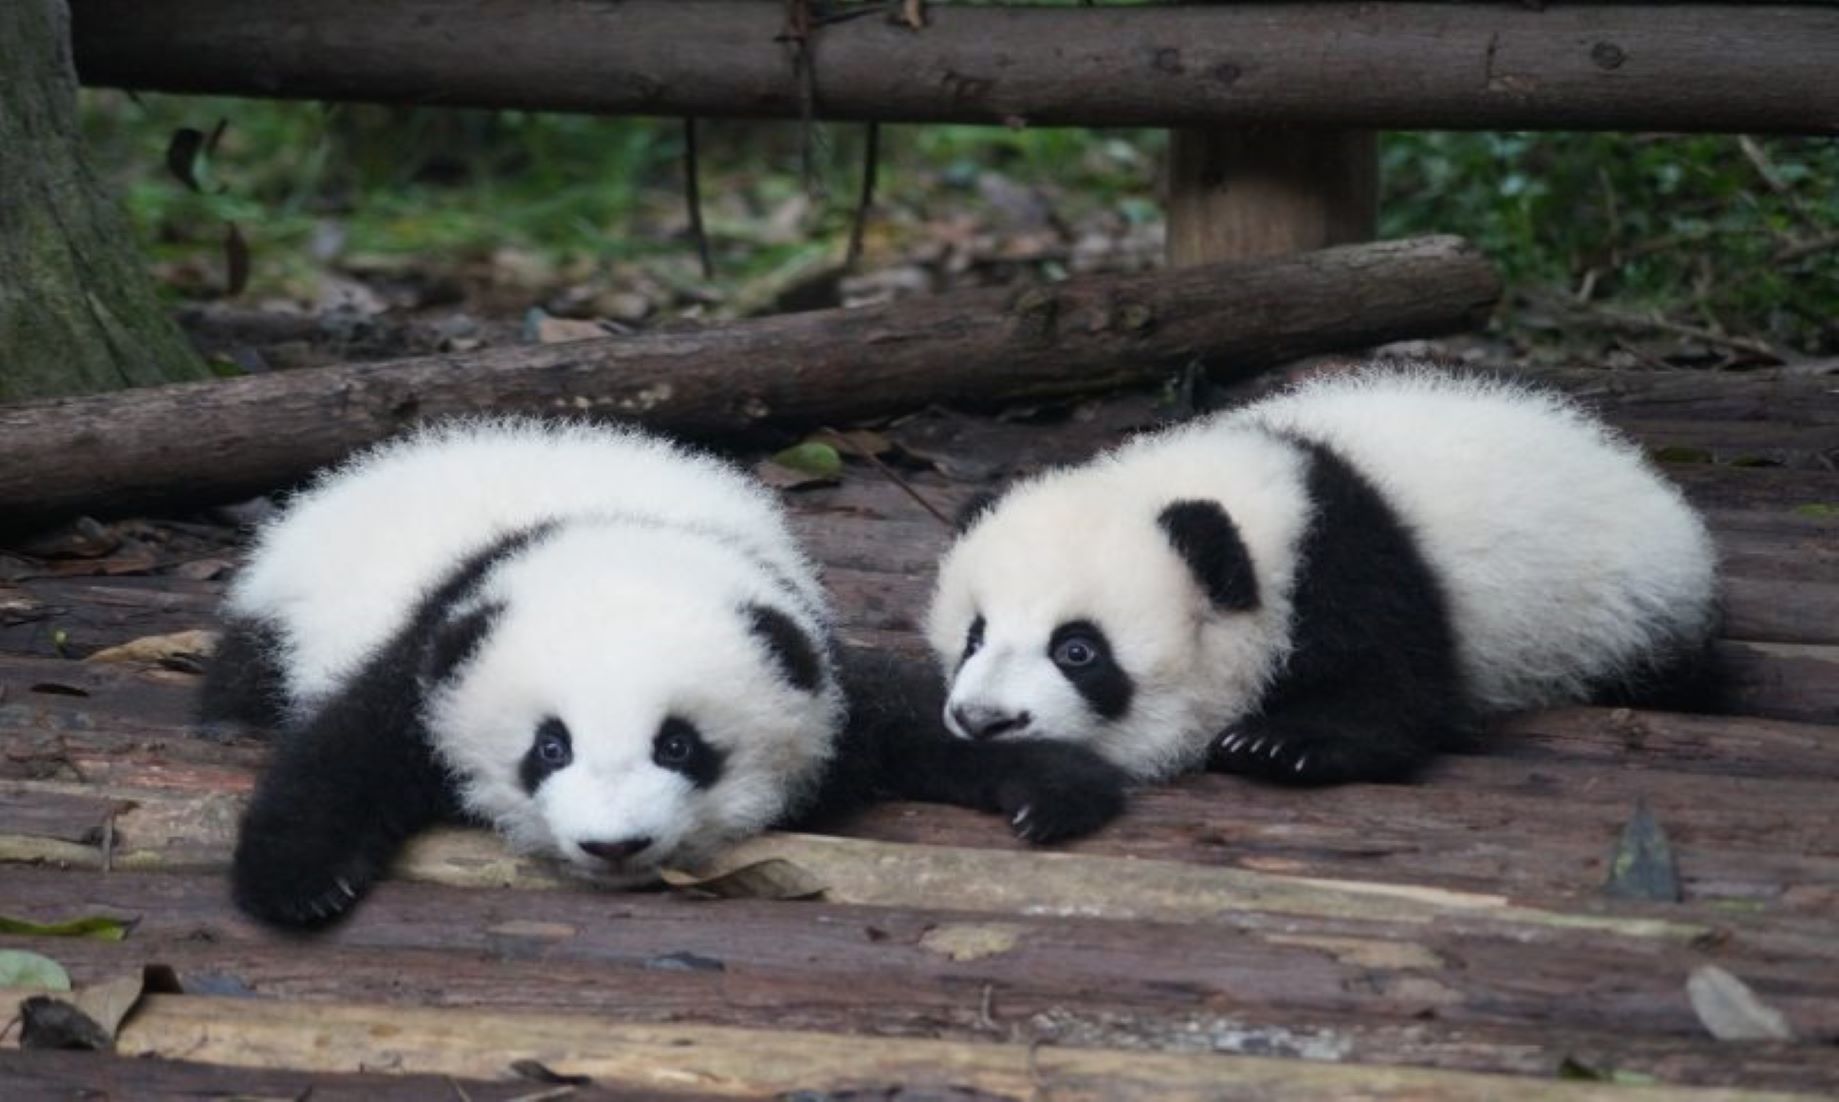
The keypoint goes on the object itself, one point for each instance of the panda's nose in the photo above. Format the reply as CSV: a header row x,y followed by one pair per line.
x,y
986,723
616,851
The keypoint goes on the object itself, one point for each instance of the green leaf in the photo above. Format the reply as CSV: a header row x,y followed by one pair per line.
x,y
813,458
96,926
20,968
1816,509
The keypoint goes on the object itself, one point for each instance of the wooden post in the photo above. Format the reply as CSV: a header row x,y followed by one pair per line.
x,y
1238,194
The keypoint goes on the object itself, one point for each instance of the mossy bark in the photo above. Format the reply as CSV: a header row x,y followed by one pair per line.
x,y
78,312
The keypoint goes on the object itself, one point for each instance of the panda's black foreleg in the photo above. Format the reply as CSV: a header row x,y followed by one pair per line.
x,y
1326,744
896,747
243,683
337,802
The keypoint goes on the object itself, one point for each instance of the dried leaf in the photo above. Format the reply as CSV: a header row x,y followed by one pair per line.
x,y
1730,1011
773,878
160,648
539,1072
913,13
100,927
1642,866
182,155
236,260
23,968
55,1023
548,330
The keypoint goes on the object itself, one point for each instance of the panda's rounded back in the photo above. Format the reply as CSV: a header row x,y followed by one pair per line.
x,y
339,570
1564,556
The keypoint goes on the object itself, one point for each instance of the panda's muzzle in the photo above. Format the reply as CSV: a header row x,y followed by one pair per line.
x,y
615,853
982,723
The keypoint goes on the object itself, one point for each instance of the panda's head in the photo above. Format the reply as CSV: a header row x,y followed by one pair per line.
x,y
628,697
1112,606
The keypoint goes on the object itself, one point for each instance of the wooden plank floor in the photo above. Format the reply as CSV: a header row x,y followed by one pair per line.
x,y
1446,939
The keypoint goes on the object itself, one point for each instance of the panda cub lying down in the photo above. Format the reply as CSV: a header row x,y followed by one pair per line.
x,y
605,645
1328,585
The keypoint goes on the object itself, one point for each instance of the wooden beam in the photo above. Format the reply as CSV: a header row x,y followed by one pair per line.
x,y
1237,195
674,1059
1279,986
1618,66
230,438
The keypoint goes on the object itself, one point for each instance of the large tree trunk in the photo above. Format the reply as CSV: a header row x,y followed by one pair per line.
x,y
77,311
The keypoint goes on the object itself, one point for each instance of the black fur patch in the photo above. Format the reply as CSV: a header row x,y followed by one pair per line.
x,y
680,746
1208,541
537,767
1102,682
1372,687
896,747
790,647
974,509
457,640
344,791
244,682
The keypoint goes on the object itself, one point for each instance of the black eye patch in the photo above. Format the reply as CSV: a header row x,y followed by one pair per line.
x,y
551,751
680,747
1082,653
973,640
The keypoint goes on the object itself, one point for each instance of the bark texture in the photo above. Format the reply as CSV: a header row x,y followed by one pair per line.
x,y
77,311
191,444
1618,66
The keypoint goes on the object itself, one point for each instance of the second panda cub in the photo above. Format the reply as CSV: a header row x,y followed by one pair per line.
x,y
1328,585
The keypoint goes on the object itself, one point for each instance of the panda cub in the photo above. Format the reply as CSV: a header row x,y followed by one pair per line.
x,y
1328,585
605,645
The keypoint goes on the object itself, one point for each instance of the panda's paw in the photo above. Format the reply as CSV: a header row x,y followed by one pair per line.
x,y
1310,754
284,883
1055,792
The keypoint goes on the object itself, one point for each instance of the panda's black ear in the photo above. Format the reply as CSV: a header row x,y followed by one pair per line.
x,y
788,644
455,640
974,508
1208,541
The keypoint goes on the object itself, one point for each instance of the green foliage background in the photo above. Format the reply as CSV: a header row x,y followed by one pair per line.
x,y
1710,232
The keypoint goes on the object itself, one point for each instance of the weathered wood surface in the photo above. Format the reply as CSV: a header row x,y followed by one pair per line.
x,y
1627,66
88,1075
232,438
728,1061
1386,938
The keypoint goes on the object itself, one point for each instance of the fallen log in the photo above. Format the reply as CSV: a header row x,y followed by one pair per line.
x,y
224,440
1624,66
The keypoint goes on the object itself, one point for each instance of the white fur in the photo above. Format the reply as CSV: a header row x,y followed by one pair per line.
x,y
1564,556
626,613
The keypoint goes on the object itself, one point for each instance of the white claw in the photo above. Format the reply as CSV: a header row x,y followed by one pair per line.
x,y
345,887
1302,761
1256,745
1021,817
1276,746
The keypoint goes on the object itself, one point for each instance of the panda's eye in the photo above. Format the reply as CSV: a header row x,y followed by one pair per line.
x,y
550,750
680,747
675,748
973,640
1075,651
553,749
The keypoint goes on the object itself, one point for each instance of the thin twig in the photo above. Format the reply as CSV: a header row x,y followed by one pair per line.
x,y
459,1091
798,30
1803,249
871,160
888,473
1740,344
692,198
